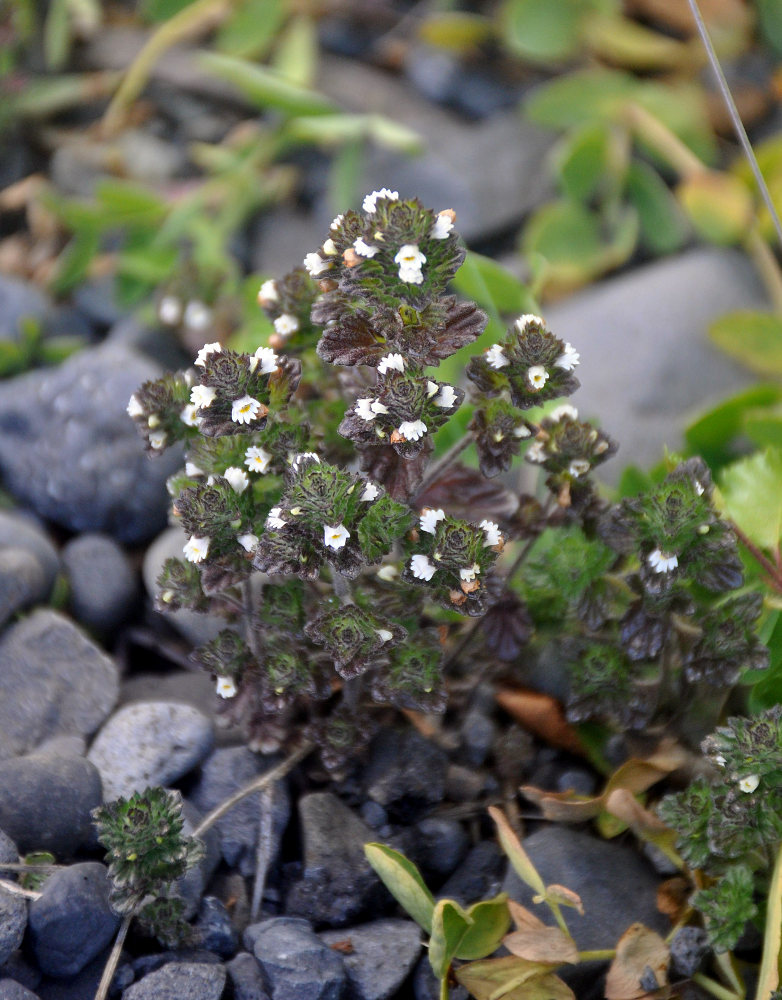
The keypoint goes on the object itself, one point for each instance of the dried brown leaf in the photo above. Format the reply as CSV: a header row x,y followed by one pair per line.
x,y
673,897
524,919
465,493
565,897
542,715
639,949
543,944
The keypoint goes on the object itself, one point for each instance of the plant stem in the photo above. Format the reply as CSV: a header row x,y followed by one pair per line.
x,y
256,785
715,988
18,890
775,576
766,265
664,141
599,955
264,849
192,20
768,976
113,962
448,458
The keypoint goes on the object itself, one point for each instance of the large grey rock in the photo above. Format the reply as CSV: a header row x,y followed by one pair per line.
x,y
11,990
382,955
53,681
225,772
46,801
180,981
13,909
405,773
22,581
102,582
479,875
338,885
72,921
247,978
297,964
190,887
70,451
149,743
647,367
615,886
18,530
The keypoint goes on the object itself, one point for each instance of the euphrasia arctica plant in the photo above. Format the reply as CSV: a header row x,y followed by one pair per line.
x,y
343,556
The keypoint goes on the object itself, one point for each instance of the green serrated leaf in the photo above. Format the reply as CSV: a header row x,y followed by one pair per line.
x,y
403,880
752,496
664,227
712,434
752,338
383,523
490,923
265,88
450,922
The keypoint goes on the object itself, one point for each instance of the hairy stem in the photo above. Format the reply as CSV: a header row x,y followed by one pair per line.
x,y
766,265
264,849
18,890
768,976
113,961
775,576
716,989
256,785
657,135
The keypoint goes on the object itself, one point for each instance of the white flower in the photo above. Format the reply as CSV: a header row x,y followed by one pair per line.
x,y
364,249
521,431
562,411
391,361
205,351
661,562
410,261
363,409
412,430
429,518
377,407
579,467
720,761
536,452
371,492
492,533
202,396
244,410
273,519
443,224
315,264
298,459
528,319
369,203
469,572
388,573
226,687
384,634
285,325
197,315
257,460
157,440
432,388
330,248
196,549
495,357
248,541
537,376
336,536
750,783
267,357
189,415
169,310
421,568
238,478
135,409
268,291
568,359
337,222
446,398
192,470
700,489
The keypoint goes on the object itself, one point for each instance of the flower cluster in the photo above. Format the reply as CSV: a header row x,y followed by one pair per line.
x,y
356,638
288,303
163,413
568,449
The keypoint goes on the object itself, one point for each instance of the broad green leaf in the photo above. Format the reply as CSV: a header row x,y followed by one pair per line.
x,y
509,977
46,96
581,96
331,131
56,34
492,286
151,264
265,88
347,166
764,427
516,854
74,261
123,203
752,496
583,161
393,135
449,925
296,52
251,28
719,206
767,690
155,11
12,358
621,41
456,30
712,435
753,338
403,880
541,30
664,227
770,15
490,923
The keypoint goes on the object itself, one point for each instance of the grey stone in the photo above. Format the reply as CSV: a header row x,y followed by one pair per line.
x,y
96,298
190,887
72,922
13,909
196,628
478,732
577,779
19,301
54,681
478,876
149,743
463,784
214,930
338,885
180,981
21,971
149,158
247,978
20,530
382,955
688,948
225,772
647,367
46,801
441,845
63,746
9,853
103,585
159,345
84,985
426,986
70,451
189,687
22,581
615,886
11,990
297,964
144,964
405,773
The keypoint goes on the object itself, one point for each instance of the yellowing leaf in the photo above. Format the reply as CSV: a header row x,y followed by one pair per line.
x,y
544,944
752,338
719,206
403,881
638,949
449,925
507,977
517,856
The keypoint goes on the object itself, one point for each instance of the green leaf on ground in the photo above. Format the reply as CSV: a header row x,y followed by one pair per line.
x,y
752,496
403,880
664,227
713,434
752,338
541,30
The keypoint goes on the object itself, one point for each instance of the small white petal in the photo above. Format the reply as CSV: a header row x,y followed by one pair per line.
x,y
432,388
244,410
226,687
315,264
429,518
364,249
384,634
266,356
568,359
301,457
661,562
536,452
446,398
363,409
371,492
521,431
169,310
134,408
720,761
750,783
337,222
537,376
369,203
579,467
285,325
495,357
565,410
238,478
257,460
492,533
422,568
388,573
192,470
393,362
273,519
248,541
189,415
443,225
202,396
196,549
336,536
377,407
412,430
157,440
330,248
411,275
528,319
197,315
469,572
268,291
205,351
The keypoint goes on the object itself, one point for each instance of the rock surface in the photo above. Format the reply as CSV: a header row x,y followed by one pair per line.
x,y
102,583
180,980
70,451
381,956
54,681
297,964
405,773
13,909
